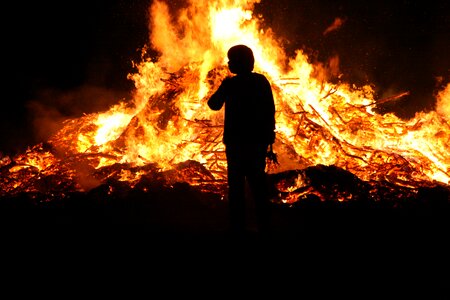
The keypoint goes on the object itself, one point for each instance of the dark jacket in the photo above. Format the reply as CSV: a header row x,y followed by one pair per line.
x,y
249,109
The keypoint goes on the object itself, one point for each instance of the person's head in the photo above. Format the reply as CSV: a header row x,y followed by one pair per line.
x,y
240,59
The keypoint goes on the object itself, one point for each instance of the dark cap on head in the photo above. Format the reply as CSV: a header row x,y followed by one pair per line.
x,y
241,59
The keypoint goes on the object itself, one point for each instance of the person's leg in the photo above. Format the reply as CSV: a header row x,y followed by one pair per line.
x,y
236,190
256,163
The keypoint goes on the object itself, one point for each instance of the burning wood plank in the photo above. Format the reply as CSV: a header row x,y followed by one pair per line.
x,y
388,99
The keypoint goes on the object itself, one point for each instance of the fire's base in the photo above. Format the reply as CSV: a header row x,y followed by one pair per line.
x,y
374,245
185,211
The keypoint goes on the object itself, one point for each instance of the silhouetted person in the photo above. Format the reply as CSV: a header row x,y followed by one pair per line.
x,y
248,132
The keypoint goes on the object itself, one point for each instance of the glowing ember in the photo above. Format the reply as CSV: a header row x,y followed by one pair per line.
x,y
168,122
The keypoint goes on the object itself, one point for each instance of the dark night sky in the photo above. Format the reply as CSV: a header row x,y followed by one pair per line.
x,y
59,55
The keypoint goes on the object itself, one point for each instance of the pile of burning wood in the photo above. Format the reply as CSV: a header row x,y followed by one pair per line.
x,y
57,168
61,179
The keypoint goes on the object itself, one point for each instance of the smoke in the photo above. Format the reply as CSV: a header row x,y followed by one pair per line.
x,y
51,107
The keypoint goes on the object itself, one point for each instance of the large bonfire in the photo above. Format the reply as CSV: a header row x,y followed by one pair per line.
x,y
167,130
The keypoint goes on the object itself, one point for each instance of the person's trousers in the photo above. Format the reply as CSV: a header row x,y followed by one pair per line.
x,y
247,163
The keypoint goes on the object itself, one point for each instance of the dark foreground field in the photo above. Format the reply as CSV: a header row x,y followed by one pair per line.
x,y
184,213
319,246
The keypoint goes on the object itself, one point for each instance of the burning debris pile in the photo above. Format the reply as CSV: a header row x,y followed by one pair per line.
x,y
56,169
330,143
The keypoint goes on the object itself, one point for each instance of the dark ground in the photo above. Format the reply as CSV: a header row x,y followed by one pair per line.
x,y
184,212
342,247
345,249
176,242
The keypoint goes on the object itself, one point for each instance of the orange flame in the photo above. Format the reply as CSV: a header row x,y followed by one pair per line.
x,y
168,121
196,40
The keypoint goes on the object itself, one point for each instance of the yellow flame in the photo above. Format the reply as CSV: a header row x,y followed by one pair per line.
x,y
443,103
169,121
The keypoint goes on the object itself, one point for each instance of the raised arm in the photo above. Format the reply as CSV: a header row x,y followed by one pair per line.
x,y
217,99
